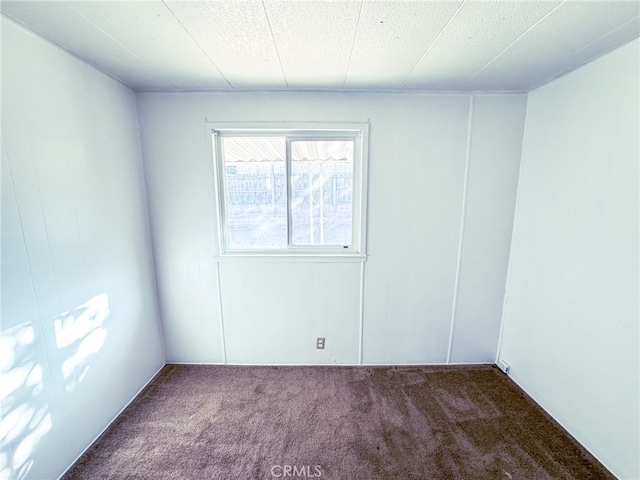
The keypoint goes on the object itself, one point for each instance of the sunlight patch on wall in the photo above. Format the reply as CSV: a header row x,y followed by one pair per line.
x,y
81,333
25,417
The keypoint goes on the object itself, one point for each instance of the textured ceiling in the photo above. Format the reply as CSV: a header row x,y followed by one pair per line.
x,y
373,45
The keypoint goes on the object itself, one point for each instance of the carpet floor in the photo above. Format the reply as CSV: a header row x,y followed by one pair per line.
x,y
339,423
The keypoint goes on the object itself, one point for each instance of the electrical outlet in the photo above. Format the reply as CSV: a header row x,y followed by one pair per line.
x,y
320,343
504,366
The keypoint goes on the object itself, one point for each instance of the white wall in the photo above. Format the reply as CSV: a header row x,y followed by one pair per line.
x,y
571,320
79,334
273,312
496,140
423,150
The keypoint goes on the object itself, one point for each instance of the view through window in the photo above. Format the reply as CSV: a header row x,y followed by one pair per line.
x,y
289,191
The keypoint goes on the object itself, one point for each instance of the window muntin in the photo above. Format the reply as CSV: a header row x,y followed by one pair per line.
x,y
290,191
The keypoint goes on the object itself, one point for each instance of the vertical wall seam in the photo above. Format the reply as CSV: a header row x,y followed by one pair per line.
x,y
361,319
463,215
152,247
314,315
47,354
287,270
314,310
88,293
222,336
390,230
44,222
513,229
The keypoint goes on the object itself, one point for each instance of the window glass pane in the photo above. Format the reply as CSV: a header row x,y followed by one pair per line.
x,y
321,192
256,195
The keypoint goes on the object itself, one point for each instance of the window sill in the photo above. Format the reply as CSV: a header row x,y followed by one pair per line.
x,y
287,258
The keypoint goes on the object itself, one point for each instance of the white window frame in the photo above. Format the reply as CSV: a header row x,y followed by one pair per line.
x,y
359,132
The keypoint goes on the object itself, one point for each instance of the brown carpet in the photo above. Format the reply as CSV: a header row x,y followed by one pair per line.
x,y
340,423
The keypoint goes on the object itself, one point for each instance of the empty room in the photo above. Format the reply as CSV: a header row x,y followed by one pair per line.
x,y
353,239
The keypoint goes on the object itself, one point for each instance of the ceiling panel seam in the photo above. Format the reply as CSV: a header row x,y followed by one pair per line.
x,y
100,29
353,44
619,27
198,45
559,73
520,37
432,44
517,57
273,39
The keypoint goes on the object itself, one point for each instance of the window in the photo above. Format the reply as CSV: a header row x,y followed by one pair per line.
x,y
292,191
